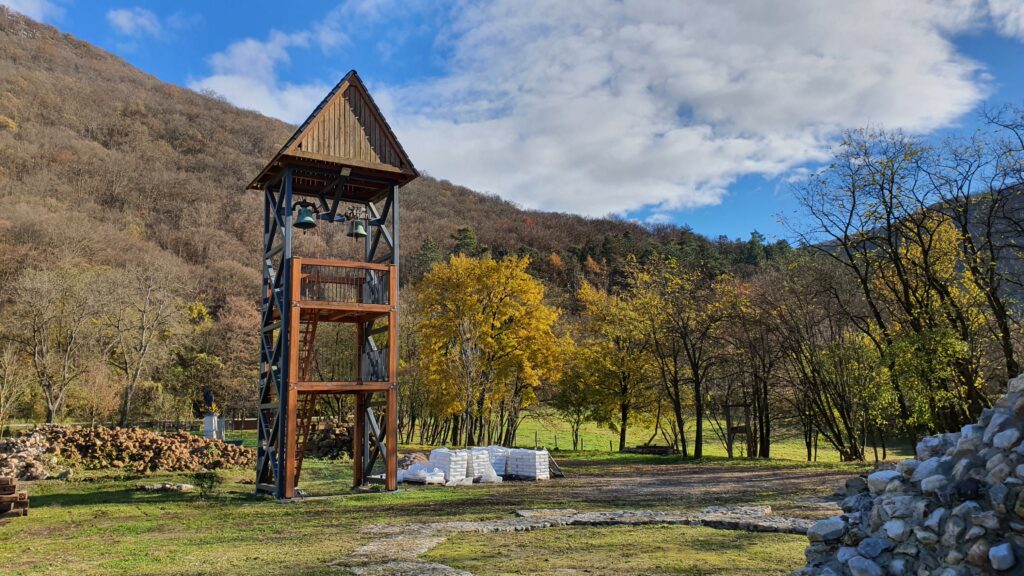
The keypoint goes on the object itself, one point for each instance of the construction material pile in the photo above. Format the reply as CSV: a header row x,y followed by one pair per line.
x,y
479,465
499,459
957,509
528,464
49,449
330,442
12,502
453,463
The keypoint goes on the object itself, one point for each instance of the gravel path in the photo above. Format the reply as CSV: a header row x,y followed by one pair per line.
x,y
396,550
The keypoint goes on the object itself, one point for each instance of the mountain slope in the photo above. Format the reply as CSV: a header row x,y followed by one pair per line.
x,y
109,165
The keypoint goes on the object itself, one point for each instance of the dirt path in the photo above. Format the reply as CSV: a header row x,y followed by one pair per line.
x,y
676,486
395,549
797,494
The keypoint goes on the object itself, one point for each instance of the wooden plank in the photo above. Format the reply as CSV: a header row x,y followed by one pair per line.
x,y
344,306
342,387
348,160
16,497
345,263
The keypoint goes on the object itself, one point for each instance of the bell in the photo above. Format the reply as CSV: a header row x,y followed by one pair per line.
x,y
305,220
356,229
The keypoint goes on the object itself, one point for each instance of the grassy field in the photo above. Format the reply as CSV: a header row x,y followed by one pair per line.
x,y
543,428
545,425
620,550
99,523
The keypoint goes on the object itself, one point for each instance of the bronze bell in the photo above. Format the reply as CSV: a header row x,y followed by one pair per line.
x,y
305,219
356,229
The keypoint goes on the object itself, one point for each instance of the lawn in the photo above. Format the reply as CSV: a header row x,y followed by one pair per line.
x,y
544,428
98,523
613,551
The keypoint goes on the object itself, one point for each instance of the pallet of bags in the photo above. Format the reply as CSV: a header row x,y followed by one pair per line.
x,y
480,469
454,464
499,459
421,473
528,464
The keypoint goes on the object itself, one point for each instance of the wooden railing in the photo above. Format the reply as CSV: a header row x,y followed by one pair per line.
x,y
341,281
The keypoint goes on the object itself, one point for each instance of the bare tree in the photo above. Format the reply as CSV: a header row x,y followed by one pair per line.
x,y
14,382
139,321
55,310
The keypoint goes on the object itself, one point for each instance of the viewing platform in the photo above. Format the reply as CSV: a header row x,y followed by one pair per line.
x,y
359,294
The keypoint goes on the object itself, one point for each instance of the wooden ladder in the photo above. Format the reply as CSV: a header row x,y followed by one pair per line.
x,y
306,409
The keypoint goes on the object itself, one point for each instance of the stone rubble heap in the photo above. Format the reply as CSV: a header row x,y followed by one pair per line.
x,y
51,450
333,441
955,510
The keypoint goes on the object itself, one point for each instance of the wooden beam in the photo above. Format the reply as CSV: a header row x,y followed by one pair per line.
x,y
391,441
344,306
291,428
345,264
343,387
357,441
351,162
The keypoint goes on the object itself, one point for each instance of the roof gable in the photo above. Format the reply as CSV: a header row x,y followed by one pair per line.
x,y
347,128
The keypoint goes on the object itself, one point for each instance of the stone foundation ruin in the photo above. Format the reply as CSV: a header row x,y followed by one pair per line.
x,y
955,510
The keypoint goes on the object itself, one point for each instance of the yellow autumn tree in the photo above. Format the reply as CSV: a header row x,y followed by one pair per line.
x,y
486,343
615,349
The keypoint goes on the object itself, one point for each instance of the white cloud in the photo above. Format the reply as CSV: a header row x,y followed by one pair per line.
x,y
1008,17
596,106
246,75
135,22
39,10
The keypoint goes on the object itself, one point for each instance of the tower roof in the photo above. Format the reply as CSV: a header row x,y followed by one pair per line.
x,y
346,130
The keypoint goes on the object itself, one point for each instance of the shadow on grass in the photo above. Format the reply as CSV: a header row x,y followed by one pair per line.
x,y
134,496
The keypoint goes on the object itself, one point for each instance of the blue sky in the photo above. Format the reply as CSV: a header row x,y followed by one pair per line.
x,y
697,113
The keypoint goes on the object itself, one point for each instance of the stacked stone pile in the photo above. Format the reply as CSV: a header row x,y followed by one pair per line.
x,y
48,449
331,442
955,510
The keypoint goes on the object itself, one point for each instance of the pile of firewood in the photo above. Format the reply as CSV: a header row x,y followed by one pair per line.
x,y
38,454
12,503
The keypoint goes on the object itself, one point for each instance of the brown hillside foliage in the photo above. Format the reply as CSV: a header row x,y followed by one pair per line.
x,y
113,166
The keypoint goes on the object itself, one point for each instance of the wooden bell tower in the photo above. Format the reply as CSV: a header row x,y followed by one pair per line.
x,y
342,166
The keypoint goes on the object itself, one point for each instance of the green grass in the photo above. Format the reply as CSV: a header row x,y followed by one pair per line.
x,y
544,425
623,550
98,523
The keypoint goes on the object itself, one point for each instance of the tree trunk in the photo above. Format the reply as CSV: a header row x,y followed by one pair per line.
x,y
623,421
698,409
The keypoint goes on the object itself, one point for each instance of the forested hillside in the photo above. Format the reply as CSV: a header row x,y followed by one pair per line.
x,y
121,167
107,173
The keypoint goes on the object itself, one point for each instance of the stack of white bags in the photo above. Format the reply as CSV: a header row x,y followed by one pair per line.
x,y
422,473
484,465
499,459
531,464
454,463
480,469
